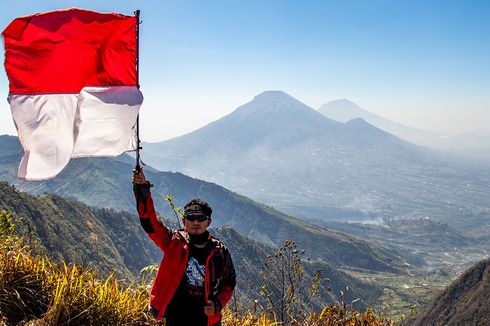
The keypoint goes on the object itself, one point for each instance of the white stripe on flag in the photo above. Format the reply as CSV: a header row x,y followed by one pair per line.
x,y
53,128
105,120
45,127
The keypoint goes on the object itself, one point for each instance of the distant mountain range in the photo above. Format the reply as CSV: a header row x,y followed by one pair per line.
x,y
279,151
469,145
465,302
105,182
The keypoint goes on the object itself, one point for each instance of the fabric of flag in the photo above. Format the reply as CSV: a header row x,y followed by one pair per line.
x,y
73,87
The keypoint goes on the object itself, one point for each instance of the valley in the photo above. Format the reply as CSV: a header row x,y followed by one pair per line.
x,y
443,255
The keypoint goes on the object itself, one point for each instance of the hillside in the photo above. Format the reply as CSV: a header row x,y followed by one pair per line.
x,y
70,231
105,182
465,302
112,241
279,151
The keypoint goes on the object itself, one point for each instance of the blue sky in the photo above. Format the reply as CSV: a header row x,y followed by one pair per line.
x,y
421,63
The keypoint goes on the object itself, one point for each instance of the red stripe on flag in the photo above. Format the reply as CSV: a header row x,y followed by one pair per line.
x,y
64,51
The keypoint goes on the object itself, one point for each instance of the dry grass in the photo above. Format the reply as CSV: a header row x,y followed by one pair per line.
x,y
36,291
330,316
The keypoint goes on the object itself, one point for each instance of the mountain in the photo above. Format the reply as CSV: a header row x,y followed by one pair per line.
x,y
105,182
345,110
113,242
10,145
279,151
465,302
470,145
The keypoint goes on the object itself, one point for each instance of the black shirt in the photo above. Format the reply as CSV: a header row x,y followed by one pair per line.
x,y
187,305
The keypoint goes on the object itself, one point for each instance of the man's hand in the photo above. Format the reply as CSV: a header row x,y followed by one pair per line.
x,y
209,308
139,177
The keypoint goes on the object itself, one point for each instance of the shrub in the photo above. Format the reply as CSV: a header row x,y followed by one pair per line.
x,y
288,290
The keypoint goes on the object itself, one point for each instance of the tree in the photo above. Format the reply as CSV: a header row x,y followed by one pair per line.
x,y
288,289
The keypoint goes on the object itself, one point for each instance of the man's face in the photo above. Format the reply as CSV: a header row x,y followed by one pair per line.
x,y
197,225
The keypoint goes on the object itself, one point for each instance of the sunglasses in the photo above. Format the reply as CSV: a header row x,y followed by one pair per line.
x,y
200,218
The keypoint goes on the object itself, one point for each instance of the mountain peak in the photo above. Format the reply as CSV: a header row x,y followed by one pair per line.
x,y
272,95
341,105
357,121
343,101
276,99
344,110
265,118
273,102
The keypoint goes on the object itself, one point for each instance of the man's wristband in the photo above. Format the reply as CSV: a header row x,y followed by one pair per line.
x,y
217,306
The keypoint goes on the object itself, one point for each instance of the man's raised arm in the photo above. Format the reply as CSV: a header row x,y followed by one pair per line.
x,y
156,230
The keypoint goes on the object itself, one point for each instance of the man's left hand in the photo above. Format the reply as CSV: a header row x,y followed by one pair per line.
x,y
209,308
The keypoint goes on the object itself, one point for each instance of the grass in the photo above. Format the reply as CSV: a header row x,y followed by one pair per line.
x,y
330,315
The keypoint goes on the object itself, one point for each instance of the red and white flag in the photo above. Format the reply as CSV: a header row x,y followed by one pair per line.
x,y
73,87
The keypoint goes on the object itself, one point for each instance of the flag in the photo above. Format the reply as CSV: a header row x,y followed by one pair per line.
x,y
73,87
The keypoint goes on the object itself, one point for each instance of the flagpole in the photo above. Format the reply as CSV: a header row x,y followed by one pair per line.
x,y
138,143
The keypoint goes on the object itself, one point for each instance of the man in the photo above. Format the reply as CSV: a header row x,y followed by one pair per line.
x,y
196,277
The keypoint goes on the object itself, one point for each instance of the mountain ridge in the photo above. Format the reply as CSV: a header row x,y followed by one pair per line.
x,y
105,182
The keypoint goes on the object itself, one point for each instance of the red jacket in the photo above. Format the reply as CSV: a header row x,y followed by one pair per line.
x,y
219,280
